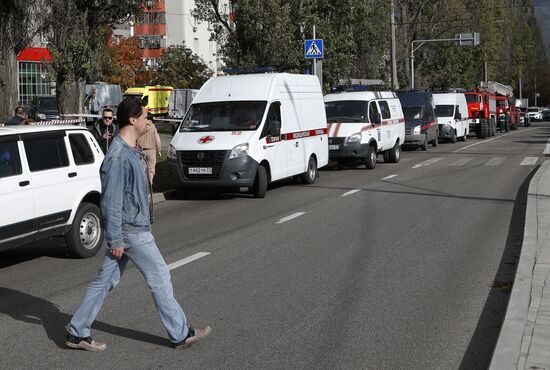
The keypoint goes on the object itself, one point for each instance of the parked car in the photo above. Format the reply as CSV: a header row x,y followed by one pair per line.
x,y
451,111
249,130
421,125
546,114
44,107
49,186
363,124
535,113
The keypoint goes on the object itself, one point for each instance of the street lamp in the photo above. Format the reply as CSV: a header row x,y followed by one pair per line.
x,y
460,38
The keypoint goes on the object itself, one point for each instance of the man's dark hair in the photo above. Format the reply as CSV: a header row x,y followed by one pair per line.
x,y
107,110
19,110
128,108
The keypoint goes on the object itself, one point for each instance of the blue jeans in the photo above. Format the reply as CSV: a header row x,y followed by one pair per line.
x,y
142,250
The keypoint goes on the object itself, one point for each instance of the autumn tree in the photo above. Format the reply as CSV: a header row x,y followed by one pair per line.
x,y
121,63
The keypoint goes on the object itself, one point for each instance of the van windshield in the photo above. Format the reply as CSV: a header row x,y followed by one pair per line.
x,y
412,113
444,110
347,110
224,116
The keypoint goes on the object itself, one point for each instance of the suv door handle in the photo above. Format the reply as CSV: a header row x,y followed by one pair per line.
x,y
72,174
24,183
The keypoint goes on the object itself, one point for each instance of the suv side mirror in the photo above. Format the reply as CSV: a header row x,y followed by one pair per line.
x,y
376,120
275,127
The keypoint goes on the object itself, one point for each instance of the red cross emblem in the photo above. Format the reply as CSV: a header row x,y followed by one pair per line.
x,y
206,139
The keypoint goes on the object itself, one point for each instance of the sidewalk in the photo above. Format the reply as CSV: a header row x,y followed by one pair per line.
x,y
524,341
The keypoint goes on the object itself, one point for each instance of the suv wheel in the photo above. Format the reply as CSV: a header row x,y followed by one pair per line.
x,y
85,236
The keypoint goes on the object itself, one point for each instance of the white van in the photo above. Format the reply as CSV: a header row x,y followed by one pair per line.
x,y
363,124
250,130
451,110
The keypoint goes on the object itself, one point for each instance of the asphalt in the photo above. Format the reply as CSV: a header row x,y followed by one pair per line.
x,y
524,341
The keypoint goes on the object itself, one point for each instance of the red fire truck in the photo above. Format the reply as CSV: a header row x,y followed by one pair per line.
x,y
482,112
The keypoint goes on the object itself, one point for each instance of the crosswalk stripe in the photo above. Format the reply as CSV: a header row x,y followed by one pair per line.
x,y
529,161
462,162
427,163
495,161
547,148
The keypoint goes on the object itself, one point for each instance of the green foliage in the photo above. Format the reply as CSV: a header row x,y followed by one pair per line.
x,y
180,68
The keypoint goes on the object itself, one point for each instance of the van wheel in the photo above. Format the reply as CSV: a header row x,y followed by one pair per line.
x,y
424,145
436,140
464,137
370,160
394,153
260,183
453,138
85,237
309,176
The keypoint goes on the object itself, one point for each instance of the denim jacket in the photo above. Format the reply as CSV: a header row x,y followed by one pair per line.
x,y
124,204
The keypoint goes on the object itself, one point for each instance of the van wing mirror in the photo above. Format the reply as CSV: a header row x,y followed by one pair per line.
x,y
275,128
376,119
458,116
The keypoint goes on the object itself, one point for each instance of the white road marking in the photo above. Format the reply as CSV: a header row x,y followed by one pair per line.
x,y
389,177
462,162
288,218
529,161
496,137
547,148
427,163
350,192
186,260
495,161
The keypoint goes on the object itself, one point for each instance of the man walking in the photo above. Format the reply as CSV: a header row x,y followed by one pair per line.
x,y
126,210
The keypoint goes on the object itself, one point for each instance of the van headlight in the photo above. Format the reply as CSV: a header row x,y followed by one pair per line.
x,y
239,151
447,124
41,115
171,154
416,130
355,138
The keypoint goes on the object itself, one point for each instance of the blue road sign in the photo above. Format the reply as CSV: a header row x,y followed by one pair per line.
x,y
313,48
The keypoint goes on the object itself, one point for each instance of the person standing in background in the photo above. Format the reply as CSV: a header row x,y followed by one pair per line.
x,y
20,115
151,145
105,129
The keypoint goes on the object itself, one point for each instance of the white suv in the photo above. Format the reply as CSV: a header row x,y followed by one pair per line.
x,y
50,185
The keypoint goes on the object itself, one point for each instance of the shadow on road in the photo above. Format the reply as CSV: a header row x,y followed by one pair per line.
x,y
33,310
484,340
53,247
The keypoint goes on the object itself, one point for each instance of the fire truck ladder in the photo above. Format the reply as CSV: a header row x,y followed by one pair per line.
x,y
497,88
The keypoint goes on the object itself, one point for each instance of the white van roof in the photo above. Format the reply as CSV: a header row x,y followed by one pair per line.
x,y
446,98
360,95
257,87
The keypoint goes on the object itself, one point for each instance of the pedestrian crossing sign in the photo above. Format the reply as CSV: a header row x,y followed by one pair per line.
x,y
313,48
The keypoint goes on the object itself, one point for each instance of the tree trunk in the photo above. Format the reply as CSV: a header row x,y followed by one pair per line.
x,y
71,96
8,86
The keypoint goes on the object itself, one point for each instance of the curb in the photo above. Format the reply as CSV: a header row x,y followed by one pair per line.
x,y
158,197
509,345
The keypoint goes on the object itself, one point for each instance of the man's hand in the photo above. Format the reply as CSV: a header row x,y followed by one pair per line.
x,y
117,252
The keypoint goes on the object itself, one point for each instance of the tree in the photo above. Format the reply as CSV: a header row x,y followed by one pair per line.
x,y
79,31
20,23
121,63
181,69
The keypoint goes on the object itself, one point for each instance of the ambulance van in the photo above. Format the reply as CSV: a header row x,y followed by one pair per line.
x,y
363,124
155,98
451,111
249,130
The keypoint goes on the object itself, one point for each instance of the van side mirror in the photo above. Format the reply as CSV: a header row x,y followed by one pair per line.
x,y
458,116
275,127
376,120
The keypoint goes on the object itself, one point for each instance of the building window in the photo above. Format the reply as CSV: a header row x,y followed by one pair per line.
x,y
153,17
151,42
33,80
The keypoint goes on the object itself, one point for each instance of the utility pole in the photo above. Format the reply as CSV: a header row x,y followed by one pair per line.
x,y
394,81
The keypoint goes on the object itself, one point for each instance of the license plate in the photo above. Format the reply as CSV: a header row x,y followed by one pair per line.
x,y
200,170
334,147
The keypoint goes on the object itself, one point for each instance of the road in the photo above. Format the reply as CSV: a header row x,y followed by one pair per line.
x,y
407,266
